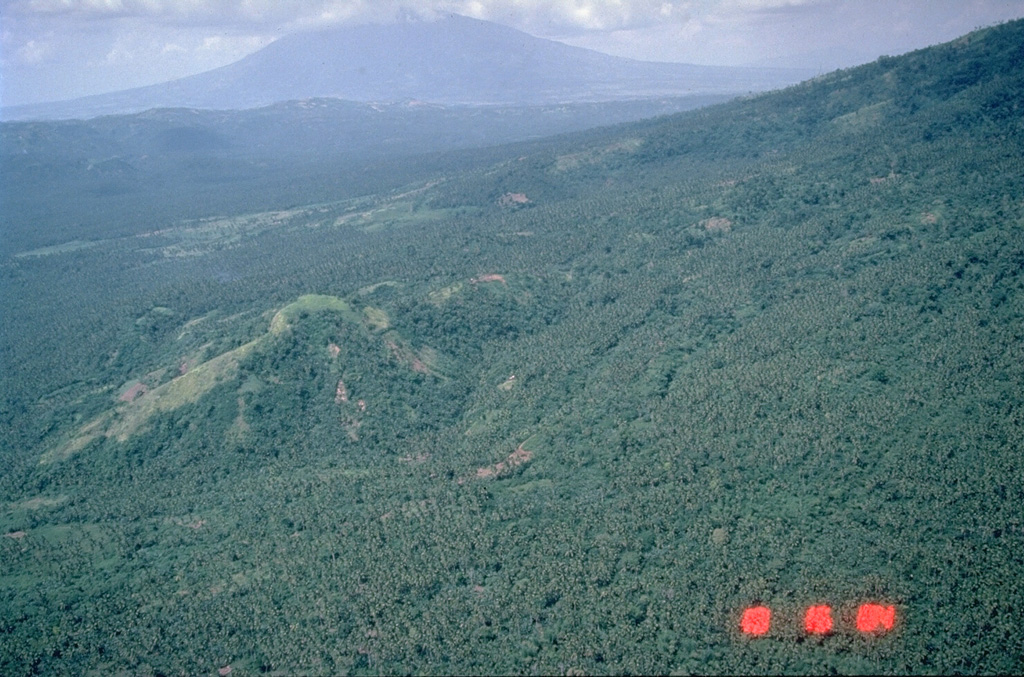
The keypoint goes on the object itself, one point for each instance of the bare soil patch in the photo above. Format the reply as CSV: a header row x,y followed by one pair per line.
x,y
513,199
133,393
717,223
517,458
489,277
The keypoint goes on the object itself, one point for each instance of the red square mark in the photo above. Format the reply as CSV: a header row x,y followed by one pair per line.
x,y
756,620
875,618
818,620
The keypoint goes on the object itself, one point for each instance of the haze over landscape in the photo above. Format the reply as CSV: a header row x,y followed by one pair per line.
x,y
53,50
357,338
449,59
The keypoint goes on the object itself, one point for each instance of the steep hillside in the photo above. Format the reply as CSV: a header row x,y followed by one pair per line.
x,y
571,411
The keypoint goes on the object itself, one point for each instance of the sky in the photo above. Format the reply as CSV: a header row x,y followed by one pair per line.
x,y
59,49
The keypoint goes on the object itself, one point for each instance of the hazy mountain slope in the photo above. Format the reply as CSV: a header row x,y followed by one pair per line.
x,y
569,412
454,59
189,163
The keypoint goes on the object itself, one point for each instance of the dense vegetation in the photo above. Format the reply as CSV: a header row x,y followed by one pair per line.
x,y
567,410
174,164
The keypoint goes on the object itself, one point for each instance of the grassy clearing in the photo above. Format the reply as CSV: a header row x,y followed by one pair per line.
x,y
490,418
127,418
38,502
64,248
369,289
193,323
441,295
92,430
534,485
574,160
391,214
310,303
376,319
862,118
201,237
182,390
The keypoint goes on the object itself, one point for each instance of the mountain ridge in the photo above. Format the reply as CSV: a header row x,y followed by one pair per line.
x,y
451,60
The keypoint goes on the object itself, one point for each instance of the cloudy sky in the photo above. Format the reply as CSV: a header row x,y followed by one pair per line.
x,y
59,49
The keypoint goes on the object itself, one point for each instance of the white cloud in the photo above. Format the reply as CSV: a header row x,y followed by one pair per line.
x,y
119,55
33,52
577,15
580,15
767,4
173,11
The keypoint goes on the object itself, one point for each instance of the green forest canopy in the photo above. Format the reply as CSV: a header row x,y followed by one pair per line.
x,y
569,408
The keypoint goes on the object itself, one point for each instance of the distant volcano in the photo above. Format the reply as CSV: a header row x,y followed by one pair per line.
x,y
453,60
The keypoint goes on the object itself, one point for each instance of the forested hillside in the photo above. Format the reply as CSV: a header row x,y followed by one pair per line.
x,y
182,163
567,410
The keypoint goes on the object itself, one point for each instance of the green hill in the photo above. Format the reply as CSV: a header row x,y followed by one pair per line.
x,y
569,410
